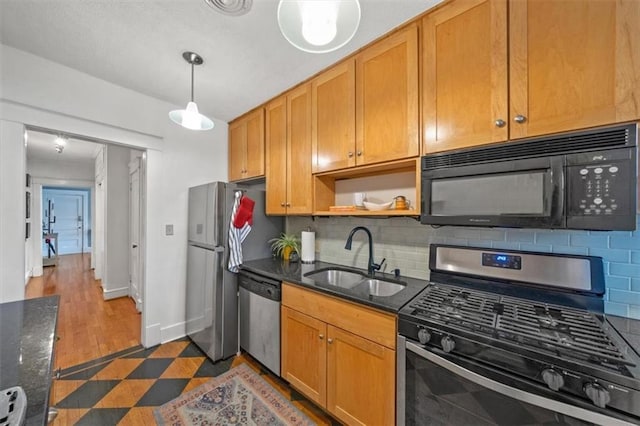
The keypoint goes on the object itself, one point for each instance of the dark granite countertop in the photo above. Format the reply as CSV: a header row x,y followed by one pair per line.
x,y
293,272
629,329
27,335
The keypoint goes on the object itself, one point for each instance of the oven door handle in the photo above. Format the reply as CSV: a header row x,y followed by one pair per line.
x,y
515,393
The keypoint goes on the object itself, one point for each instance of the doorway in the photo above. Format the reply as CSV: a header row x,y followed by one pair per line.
x,y
66,218
81,196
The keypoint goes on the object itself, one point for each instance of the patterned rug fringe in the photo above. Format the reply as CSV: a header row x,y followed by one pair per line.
x,y
238,397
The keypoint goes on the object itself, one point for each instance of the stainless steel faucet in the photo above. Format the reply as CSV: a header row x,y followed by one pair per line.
x,y
371,267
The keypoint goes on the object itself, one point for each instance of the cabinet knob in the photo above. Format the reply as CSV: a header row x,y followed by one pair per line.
x,y
288,204
321,336
350,154
359,153
520,119
500,122
329,340
281,204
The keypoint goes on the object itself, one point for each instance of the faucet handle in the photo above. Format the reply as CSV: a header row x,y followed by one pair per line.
x,y
378,266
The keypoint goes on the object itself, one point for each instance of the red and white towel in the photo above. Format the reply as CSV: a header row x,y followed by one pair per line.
x,y
239,228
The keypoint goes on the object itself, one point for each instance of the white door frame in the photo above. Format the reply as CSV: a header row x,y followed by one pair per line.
x,y
36,215
136,263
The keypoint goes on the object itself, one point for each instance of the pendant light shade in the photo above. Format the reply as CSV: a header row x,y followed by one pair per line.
x,y
318,26
189,117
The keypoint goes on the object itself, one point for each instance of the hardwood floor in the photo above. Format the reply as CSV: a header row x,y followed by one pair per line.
x,y
88,326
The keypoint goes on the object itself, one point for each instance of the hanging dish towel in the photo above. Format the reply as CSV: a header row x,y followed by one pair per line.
x,y
239,228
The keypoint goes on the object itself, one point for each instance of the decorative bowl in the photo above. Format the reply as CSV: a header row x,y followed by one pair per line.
x,y
375,206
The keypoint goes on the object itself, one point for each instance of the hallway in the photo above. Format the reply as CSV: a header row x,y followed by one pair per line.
x,y
88,326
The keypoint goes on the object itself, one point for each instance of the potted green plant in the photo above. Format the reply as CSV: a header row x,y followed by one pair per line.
x,y
285,244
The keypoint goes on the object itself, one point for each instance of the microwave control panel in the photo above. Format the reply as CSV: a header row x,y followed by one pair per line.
x,y
600,185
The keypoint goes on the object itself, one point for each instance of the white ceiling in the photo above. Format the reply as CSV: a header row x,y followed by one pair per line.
x,y
138,44
41,146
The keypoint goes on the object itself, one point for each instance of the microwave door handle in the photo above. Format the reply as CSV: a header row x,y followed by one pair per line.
x,y
558,193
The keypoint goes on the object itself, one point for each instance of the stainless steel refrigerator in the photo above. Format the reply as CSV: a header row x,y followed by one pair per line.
x,y
212,291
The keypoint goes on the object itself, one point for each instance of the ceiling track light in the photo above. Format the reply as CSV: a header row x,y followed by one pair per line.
x,y
189,117
318,26
59,143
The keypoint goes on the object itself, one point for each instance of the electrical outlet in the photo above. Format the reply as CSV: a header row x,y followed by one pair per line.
x,y
168,229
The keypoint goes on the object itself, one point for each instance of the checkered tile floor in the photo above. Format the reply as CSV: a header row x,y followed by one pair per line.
x,y
124,388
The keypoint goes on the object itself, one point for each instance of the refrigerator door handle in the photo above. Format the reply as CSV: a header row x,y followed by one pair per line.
x,y
206,246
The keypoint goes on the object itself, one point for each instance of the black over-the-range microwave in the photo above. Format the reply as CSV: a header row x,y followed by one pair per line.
x,y
576,180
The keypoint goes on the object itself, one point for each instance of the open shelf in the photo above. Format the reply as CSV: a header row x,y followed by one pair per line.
x,y
381,183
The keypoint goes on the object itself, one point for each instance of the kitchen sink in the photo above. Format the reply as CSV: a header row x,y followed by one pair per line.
x,y
337,277
382,288
355,280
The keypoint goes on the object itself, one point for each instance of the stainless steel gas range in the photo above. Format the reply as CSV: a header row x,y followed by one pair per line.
x,y
515,338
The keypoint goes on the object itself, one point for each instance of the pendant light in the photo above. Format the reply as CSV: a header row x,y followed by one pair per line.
x,y
318,26
190,117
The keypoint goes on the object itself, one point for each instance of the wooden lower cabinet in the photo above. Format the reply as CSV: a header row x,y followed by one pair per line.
x,y
302,334
361,379
350,376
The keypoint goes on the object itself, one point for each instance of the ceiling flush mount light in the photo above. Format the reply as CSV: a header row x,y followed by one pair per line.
x,y
59,143
190,117
318,26
230,7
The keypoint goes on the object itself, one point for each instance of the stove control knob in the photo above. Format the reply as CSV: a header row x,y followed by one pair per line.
x,y
448,344
552,378
598,394
424,336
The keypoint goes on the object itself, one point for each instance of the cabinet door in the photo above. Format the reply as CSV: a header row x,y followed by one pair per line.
x,y
276,157
465,75
360,379
237,147
304,354
299,178
254,163
387,99
573,64
333,108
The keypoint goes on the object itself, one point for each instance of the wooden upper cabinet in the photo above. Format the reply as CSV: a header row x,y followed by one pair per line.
x,y
289,184
387,99
299,177
334,118
573,64
465,75
276,156
246,146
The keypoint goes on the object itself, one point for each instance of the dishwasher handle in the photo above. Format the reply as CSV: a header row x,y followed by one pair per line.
x,y
262,286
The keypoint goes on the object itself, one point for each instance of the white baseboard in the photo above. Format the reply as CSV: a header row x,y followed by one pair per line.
x,y
173,332
115,293
152,336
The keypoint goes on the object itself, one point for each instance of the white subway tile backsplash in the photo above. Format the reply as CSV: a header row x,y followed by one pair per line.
x,y
405,244
553,238
520,236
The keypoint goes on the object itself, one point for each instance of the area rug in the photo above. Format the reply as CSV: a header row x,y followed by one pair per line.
x,y
238,397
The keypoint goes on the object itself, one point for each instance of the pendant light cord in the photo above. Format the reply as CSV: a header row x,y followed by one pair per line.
x,y
192,66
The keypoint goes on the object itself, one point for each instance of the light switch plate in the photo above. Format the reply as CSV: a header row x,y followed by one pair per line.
x,y
168,229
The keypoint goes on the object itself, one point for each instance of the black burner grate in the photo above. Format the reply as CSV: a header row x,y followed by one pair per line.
x,y
565,331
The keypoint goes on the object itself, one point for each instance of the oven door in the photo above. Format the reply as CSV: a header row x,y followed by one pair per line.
x,y
516,193
433,390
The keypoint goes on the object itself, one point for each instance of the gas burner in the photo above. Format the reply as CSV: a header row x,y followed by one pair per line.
x,y
560,331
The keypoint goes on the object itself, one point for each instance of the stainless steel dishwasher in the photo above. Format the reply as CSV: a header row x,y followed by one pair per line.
x,y
260,298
